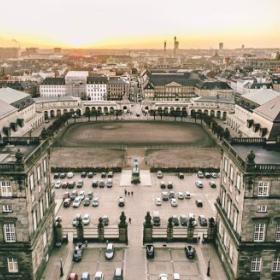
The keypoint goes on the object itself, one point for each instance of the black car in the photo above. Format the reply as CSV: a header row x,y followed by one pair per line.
x,y
150,251
181,176
94,184
71,185
172,194
175,221
77,254
202,221
64,185
190,252
83,175
103,175
67,203
199,203
62,175
90,175
56,176
80,184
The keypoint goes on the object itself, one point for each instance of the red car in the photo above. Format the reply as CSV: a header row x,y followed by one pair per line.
x,y
73,276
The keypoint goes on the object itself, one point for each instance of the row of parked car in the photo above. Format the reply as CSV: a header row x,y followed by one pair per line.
x,y
118,275
182,220
207,175
70,175
86,219
76,198
79,184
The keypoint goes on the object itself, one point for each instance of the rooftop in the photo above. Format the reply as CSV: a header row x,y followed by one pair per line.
x,y
270,110
214,85
10,95
261,96
54,81
6,109
77,74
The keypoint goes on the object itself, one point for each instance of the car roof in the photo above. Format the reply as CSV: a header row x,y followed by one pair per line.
x,y
98,273
85,274
110,246
118,271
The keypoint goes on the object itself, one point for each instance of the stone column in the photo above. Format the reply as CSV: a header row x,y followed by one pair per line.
x,y
148,229
123,235
190,232
211,231
80,231
101,237
169,230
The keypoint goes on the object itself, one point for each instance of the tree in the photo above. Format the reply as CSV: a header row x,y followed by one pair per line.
x,y
87,114
44,134
226,134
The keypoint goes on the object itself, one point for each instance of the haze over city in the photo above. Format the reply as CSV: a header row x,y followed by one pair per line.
x,y
140,24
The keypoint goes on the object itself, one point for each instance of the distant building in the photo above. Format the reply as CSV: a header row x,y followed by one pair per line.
x,y
213,89
27,208
9,53
96,88
118,89
75,82
248,209
221,46
53,87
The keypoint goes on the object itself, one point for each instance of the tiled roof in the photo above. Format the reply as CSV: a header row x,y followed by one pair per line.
x,y
261,96
10,95
270,110
214,85
97,80
6,108
54,81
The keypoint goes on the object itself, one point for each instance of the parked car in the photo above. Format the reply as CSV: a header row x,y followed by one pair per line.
x,y
162,185
105,220
171,194
158,201
73,276
80,184
62,175
86,202
163,276
192,219
56,175
103,175
156,219
175,220
110,174
183,220
70,175
212,184
165,196
150,251
101,184
99,275
170,185
176,276
121,202
66,202
159,175
77,202
82,195
199,184
90,195
187,195
173,202
202,221
214,175
109,252
86,219
64,185
71,185
90,175
94,184
181,176
66,195
190,252
77,254
95,202
57,185
207,175
118,274
73,195
199,203
85,276
180,195
109,183
76,220
200,174
83,174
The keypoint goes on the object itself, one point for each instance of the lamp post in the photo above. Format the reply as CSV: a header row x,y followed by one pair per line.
x,y
208,268
61,268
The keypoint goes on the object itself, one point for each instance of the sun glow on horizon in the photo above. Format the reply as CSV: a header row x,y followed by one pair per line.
x,y
140,24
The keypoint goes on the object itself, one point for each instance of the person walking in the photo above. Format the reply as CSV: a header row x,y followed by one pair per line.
x,y
131,193
129,220
125,192
128,193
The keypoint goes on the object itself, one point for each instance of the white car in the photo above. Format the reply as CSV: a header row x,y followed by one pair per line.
x,y
187,195
163,276
95,202
76,219
70,175
57,184
180,195
82,195
173,202
159,175
77,202
192,216
176,276
99,275
199,184
158,201
109,252
86,219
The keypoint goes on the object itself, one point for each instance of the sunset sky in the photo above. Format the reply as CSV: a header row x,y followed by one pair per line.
x,y
140,24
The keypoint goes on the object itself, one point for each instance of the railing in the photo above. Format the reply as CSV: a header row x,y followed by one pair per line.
x,y
20,141
11,167
249,141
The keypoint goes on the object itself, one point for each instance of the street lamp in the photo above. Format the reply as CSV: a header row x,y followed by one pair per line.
x,y
208,268
61,268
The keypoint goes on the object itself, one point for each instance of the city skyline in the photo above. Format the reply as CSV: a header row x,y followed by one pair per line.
x,y
143,24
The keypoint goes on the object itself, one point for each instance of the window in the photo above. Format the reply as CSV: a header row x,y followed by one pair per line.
x,y
38,173
230,252
45,165
262,209
231,173
238,181
31,182
256,264
259,234
12,265
41,209
225,165
276,265
9,232
45,239
6,189
7,208
263,188
34,220
277,233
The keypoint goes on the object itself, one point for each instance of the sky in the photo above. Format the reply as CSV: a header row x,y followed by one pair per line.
x,y
140,24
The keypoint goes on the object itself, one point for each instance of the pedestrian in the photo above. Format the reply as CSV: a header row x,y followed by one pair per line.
x,y
125,192
129,220
131,193
128,193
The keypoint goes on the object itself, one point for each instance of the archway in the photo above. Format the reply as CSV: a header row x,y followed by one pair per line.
x,y
218,114
224,115
52,114
58,112
46,115
212,113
